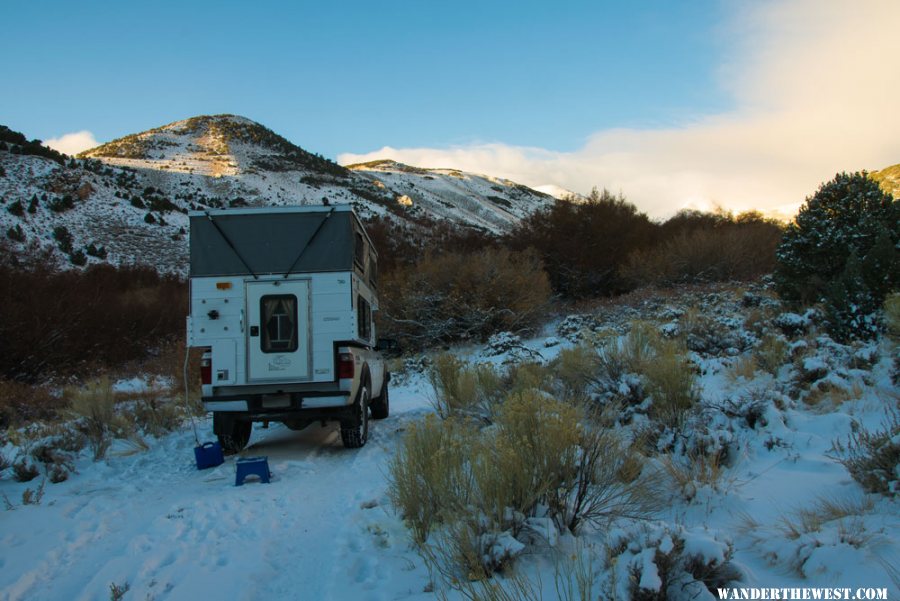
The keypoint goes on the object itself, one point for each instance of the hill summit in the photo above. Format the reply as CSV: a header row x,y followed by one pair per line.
x,y
126,201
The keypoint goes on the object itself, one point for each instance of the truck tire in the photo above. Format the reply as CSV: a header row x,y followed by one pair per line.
x,y
355,432
381,406
233,434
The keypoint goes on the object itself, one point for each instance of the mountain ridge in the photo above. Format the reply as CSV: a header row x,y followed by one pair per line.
x,y
126,200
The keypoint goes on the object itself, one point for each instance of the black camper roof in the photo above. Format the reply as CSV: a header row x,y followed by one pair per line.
x,y
274,240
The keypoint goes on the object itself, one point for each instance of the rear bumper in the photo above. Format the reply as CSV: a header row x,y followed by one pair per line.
x,y
268,405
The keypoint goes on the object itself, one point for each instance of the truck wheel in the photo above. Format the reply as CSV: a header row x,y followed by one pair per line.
x,y
355,433
381,406
233,434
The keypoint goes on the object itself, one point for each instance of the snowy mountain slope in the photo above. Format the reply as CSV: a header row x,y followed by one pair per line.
x,y
889,178
130,196
487,202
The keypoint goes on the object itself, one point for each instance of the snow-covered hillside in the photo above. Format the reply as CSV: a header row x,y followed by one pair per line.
x,y
776,506
129,197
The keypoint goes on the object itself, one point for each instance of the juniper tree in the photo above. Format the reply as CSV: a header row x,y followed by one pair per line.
x,y
844,241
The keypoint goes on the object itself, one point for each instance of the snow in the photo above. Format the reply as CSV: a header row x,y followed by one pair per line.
x,y
324,527
193,168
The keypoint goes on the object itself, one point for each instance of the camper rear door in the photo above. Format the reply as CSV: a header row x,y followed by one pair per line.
x,y
278,333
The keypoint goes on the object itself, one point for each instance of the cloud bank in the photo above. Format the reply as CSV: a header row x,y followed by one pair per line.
x,y
73,143
815,87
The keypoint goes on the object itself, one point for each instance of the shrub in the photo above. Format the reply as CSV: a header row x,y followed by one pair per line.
x,y
576,369
78,258
654,561
724,250
582,243
61,205
34,497
70,322
610,482
24,470
873,456
842,249
154,415
461,388
669,380
703,334
528,457
428,477
826,522
892,314
22,404
466,494
460,297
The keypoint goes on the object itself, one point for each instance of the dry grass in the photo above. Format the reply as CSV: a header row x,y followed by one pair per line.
x,y
694,471
155,414
823,511
771,353
95,403
743,368
826,521
827,396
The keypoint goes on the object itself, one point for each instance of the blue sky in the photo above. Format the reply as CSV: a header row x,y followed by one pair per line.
x,y
353,76
546,93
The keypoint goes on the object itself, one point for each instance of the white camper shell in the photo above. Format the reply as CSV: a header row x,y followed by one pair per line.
x,y
282,302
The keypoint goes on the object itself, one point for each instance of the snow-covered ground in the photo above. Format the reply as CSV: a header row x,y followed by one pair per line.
x,y
324,527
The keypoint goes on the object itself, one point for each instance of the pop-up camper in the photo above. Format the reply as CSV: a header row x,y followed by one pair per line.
x,y
282,302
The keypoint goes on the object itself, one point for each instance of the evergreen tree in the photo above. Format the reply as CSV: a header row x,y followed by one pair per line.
x,y
63,238
78,258
16,234
842,249
16,208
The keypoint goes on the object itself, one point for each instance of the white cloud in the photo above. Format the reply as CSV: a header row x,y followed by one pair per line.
x,y
73,143
815,87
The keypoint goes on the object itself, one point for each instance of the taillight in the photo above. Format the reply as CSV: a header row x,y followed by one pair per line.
x,y
206,368
345,366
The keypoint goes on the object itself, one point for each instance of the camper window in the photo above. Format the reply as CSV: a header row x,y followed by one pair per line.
x,y
279,320
363,318
360,252
373,271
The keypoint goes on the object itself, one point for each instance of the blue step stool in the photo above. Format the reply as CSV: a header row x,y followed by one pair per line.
x,y
249,466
